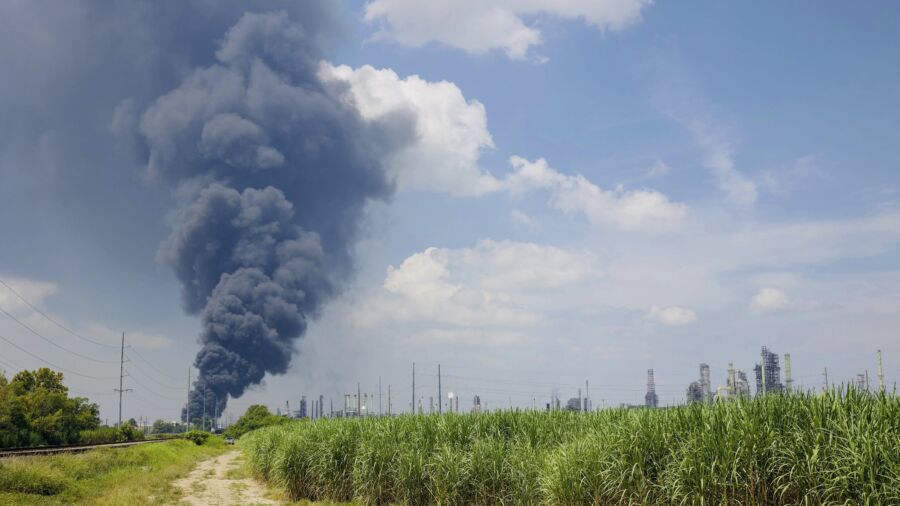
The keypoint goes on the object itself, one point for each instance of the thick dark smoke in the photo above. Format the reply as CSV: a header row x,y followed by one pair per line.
x,y
270,172
274,173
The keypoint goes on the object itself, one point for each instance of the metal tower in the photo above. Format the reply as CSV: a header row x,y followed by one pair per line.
x,y
651,400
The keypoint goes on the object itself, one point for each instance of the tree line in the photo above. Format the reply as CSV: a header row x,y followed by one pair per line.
x,y
36,410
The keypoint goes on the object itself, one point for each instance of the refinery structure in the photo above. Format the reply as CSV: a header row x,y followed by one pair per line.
x,y
769,375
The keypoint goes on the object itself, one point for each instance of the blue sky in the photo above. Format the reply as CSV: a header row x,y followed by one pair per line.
x,y
715,177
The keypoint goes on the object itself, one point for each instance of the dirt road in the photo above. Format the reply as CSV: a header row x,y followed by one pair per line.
x,y
220,481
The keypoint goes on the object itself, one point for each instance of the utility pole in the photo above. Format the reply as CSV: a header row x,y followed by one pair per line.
x,y
203,420
412,405
389,400
187,421
440,399
826,378
380,413
880,372
587,396
358,400
121,390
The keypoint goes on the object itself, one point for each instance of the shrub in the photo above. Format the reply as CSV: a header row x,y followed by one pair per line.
x,y
197,436
40,480
128,432
99,435
256,416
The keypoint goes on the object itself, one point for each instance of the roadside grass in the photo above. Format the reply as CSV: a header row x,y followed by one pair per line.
x,y
104,477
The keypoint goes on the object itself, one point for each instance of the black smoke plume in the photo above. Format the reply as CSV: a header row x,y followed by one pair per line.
x,y
273,172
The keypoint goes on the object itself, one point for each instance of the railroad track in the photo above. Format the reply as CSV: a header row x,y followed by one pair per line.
x,y
52,450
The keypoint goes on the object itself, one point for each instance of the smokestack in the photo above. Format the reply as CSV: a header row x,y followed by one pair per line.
x,y
587,396
787,372
732,379
705,386
651,400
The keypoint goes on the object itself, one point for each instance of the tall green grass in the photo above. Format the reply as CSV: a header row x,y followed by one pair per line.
x,y
841,447
108,476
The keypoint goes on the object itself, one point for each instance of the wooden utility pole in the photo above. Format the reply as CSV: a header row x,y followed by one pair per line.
x,y
440,399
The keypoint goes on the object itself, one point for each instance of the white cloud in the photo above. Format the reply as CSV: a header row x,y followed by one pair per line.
x,y
33,291
785,181
494,284
810,242
719,159
672,316
36,292
474,337
769,299
451,132
478,26
627,210
658,169
521,220
143,340
425,289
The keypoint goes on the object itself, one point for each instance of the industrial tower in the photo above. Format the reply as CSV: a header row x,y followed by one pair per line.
x,y
768,374
651,400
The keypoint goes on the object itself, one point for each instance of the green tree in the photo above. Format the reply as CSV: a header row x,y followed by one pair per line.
x,y
255,417
129,432
163,427
35,409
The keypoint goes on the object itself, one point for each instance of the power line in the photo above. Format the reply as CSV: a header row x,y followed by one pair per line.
x,y
54,365
534,384
79,393
132,349
151,378
51,320
7,364
72,332
154,404
53,343
154,392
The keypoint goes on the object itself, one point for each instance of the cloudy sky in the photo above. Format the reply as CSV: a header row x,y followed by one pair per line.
x,y
574,191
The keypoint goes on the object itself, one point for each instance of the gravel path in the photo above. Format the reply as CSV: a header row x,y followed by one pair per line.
x,y
216,482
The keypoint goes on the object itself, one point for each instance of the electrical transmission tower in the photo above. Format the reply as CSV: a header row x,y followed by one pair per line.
x,y
121,390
